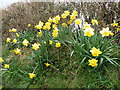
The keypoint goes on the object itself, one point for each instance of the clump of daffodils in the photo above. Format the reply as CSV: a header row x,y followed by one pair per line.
x,y
49,34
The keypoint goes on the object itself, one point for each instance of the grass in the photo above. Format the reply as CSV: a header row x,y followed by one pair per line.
x,y
106,77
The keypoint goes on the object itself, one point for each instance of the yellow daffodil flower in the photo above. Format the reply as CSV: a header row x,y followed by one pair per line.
x,y
8,40
54,34
1,60
32,75
57,17
13,30
115,24
6,66
67,12
35,46
58,44
95,52
17,51
94,21
93,62
89,32
64,24
29,25
47,64
111,34
25,42
118,29
74,13
38,26
55,30
78,21
41,23
86,25
54,26
40,33
72,17
47,23
17,35
48,27
70,21
50,20
105,32
50,42
44,27
14,40
63,16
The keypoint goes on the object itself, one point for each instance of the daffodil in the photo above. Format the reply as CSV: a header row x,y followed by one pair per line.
x,y
8,40
72,17
47,64
64,24
63,16
1,60
48,27
93,62
17,35
32,75
35,46
41,23
54,26
115,24
74,13
29,25
58,44
89,32
13,30
17,51
47,23
25,42
105,32
94,21
70,21
57,17
86,25
44,27
67,12
95,52
38,26
40,33
50,20
6,66
111,34
50,42
118,29
14,40
78,21
54,34
55,21
55,30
